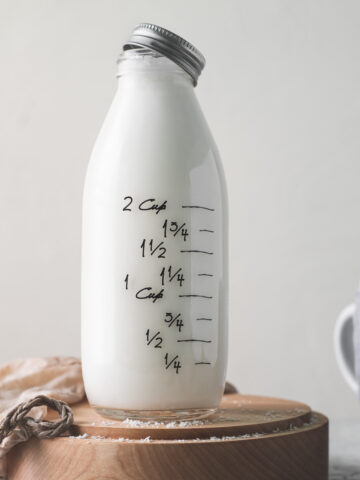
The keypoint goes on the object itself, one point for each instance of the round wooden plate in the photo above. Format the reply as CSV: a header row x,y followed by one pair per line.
x,y
249,438
237,415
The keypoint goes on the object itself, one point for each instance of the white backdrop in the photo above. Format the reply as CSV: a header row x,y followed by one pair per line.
x,y
281,91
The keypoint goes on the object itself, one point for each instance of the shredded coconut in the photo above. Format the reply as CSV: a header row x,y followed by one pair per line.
x,y
172,424
236,437
85,435
139,423
291,427
184,423
131,440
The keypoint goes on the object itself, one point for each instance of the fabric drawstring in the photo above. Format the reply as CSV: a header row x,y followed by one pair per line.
x,y
18,427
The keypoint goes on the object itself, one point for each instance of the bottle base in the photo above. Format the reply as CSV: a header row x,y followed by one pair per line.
x,y
155,415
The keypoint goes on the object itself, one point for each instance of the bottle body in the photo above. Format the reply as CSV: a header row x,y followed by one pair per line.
x,y
154,254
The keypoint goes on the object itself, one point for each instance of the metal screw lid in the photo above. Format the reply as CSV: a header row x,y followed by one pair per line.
x,y
170,45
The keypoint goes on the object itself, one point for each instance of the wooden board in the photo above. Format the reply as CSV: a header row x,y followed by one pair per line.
x,y
238,414
249,438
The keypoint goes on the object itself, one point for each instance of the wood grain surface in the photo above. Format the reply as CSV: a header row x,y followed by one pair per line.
x,y
237,414
249,438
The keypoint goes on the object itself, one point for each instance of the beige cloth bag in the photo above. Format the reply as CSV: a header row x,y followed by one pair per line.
x,y
24,379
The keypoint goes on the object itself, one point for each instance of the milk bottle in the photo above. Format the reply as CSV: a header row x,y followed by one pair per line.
x,y
154,242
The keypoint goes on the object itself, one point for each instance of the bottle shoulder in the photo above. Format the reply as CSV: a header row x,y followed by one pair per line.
x,y
154,137
152,117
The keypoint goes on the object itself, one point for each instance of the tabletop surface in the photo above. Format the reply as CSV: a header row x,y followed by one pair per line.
x,y
344,450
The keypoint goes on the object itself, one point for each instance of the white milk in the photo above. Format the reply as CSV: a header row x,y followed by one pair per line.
x,y
154,252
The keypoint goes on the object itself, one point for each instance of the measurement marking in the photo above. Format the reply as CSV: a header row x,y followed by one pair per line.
x,y
206,230
172,278
196,251
205,275
203,318
201,296
173,320
161,243
195,340
153,338
203,363
172,361
198,206
178,230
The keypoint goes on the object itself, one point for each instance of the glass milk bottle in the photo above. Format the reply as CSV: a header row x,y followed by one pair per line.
x,y
154,242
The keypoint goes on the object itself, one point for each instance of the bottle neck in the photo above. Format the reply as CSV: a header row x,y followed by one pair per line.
x,y
143,65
